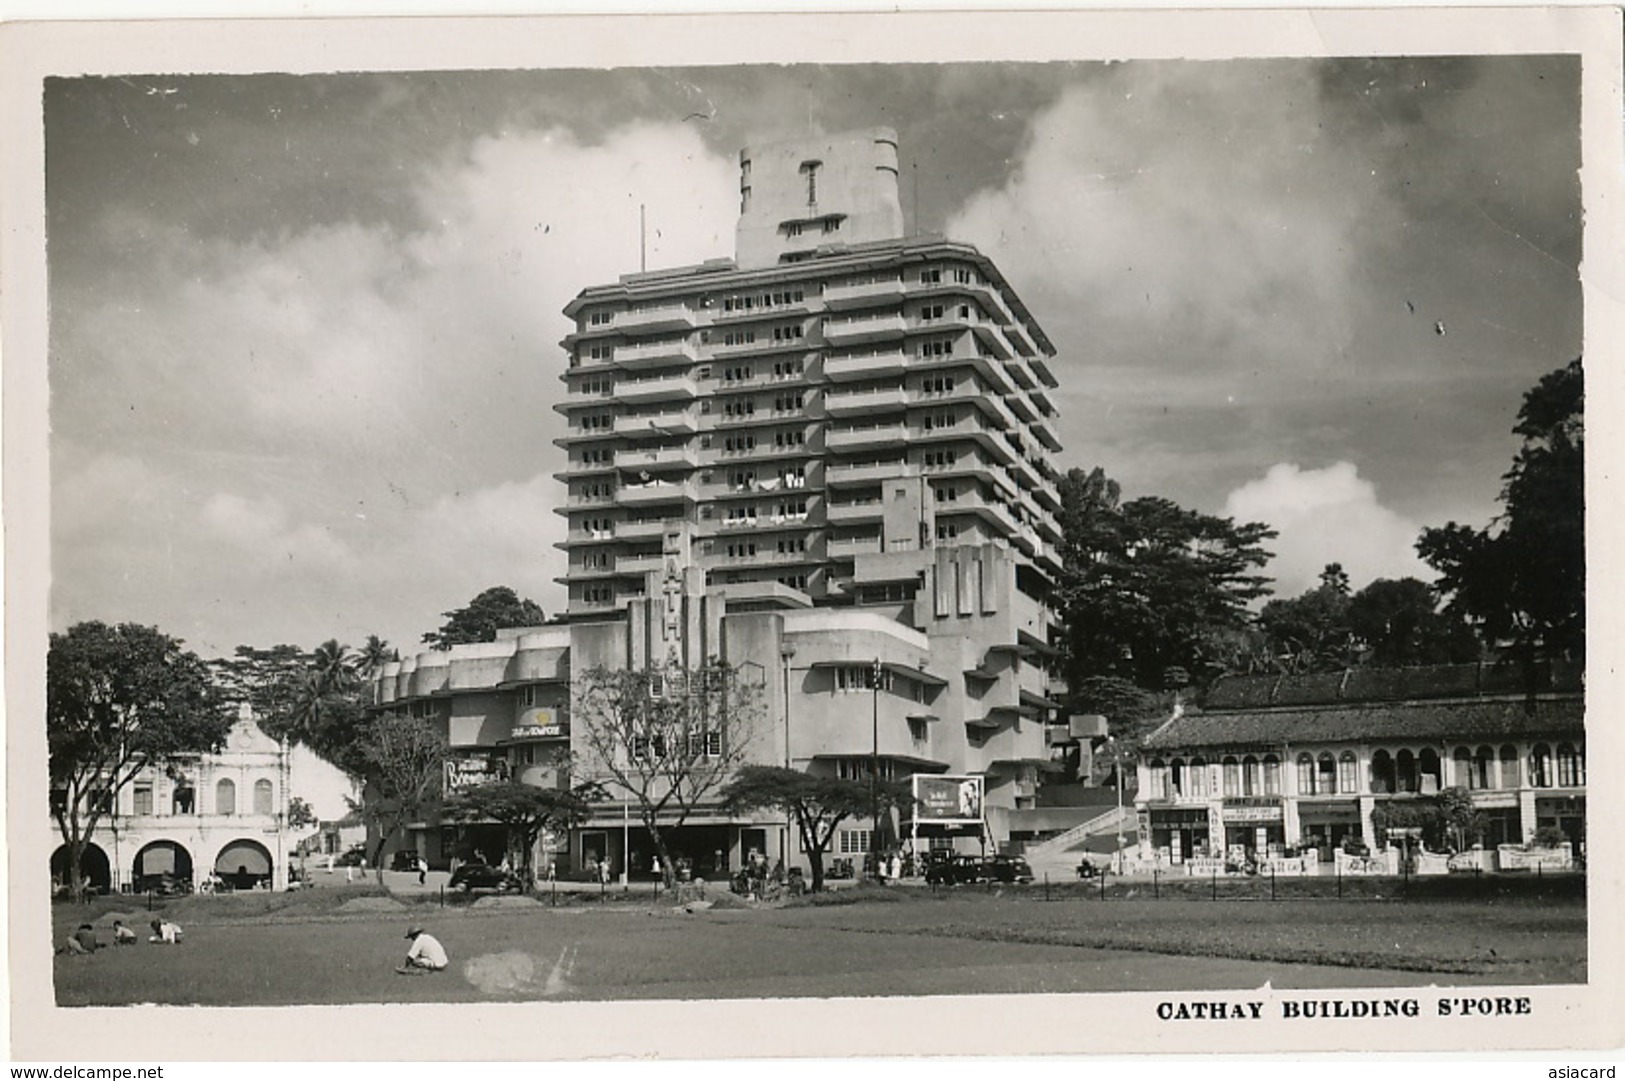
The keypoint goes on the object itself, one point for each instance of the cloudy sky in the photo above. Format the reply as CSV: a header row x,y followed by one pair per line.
x,y
304,329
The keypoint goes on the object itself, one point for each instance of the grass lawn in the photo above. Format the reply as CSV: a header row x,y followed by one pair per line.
x,y
341,946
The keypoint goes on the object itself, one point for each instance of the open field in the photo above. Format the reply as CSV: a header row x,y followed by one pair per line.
x,y
340,946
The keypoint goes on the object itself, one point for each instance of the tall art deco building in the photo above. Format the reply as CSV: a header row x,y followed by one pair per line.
x,y
827,460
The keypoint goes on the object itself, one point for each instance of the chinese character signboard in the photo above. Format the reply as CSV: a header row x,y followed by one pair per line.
x,y
947,800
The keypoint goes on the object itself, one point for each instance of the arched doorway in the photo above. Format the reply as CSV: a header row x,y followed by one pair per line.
x,y
162,860
94,869
244,864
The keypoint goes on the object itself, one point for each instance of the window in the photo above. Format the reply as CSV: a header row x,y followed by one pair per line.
x,y
1382,773
1252,781
1348,773
600,319
1571,766
947,531
861,677
1509,766
263,798
601,351
1157,774
741,480
963,275
143,799
1232,777
225,797
939,384
930,313
785,403
1196,777
739,337
1326,774
794,581
938,347
1272,775
1306,775
790,332
930,275
795,438
854,842
1405,771
1540,766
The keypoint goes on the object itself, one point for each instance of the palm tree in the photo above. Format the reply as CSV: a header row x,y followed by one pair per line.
x,y
334,666
372,657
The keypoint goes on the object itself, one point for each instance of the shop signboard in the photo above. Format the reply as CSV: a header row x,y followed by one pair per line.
x,y
940,799
466,771
1253,813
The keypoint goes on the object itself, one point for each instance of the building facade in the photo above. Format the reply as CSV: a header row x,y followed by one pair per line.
x,y
223,814
829,453
1312,761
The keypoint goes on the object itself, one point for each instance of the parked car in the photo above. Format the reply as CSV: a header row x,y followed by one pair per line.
x,y
163,884
482,876
1009,869
404,860
957,870
352,857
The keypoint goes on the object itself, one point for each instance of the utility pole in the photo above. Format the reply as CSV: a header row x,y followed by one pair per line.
x,y
874,765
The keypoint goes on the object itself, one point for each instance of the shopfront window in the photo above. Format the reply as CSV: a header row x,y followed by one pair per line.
x,y
1571,766
1158,772
1509,766
1326,773
1540,766
1348,773
1198,777
1382,773
1405,771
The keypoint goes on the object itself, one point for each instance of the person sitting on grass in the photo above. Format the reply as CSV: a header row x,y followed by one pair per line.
x,y
122,935
83,940
425,955
165,933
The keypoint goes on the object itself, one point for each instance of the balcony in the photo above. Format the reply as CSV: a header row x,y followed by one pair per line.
x,y
852,547
854,513
662,425
654,388
860,294
643,529
857,330
866,438
1046,433
988,335
662,459
850,403
653,354
1022,405
637,495
665,317
858,474
882,364
643,564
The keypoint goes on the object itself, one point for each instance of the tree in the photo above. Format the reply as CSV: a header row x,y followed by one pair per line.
x,y
1522,580
1145,585
1310,632
301,814
526,811
479,621
668,736
817,804
373,655
119,699
402,759
1131,711
1397,622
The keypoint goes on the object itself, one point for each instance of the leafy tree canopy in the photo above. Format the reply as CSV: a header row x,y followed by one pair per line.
x,y
1522,580
478,621
817,804
116,700
525,810
1145,584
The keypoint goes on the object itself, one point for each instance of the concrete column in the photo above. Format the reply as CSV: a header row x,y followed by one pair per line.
x,y
1526,812
1367,832
1291,828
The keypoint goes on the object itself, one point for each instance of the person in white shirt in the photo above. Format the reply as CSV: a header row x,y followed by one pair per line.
x,y
165,933
425,955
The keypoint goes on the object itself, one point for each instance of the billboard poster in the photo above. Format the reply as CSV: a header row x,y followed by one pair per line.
x,y
948,800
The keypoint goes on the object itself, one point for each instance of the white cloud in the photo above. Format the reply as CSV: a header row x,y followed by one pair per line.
x,y
1326,516
348,430
1190,216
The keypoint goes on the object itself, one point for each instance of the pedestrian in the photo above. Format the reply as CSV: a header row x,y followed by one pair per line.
x,y
122,935
552,871
166,933
423,871
603,871
426,954
349,873
330,863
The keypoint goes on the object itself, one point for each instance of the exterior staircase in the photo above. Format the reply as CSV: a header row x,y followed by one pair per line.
x,y
1058,856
